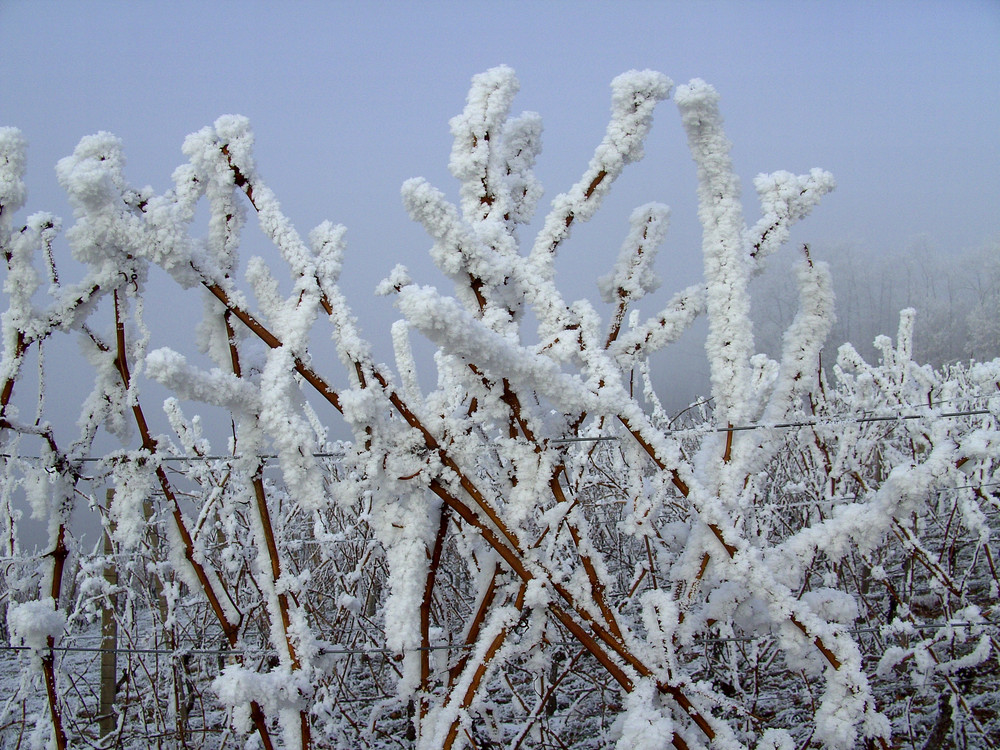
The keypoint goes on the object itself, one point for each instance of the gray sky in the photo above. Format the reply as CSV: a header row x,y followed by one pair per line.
x,y
900,100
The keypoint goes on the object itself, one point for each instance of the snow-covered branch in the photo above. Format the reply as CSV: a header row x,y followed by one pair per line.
x,y
530,553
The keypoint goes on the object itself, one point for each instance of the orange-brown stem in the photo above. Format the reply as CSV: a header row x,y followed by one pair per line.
x,y
270,543
59,555
482,667
475,626
425,604
506,543
49,675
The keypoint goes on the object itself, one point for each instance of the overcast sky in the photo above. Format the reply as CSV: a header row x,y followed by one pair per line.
x,y
900,100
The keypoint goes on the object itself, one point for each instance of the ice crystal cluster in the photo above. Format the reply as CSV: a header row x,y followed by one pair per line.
x,y
531,553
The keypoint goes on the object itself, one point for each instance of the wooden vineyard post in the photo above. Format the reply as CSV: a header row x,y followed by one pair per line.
x,y
109,640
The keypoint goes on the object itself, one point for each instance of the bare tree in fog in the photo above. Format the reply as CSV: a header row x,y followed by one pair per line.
x,y
956,297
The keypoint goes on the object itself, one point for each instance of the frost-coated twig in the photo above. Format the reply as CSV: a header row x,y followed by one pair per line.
x,y
533,495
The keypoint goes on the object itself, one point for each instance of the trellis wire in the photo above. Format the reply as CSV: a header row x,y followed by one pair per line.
x,y
447,647
830,421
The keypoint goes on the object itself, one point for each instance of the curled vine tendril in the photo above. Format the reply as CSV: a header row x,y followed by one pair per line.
x,y
131,279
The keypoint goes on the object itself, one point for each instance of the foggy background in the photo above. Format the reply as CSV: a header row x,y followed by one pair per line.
x,y
899,100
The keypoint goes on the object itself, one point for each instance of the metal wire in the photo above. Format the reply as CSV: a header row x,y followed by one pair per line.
x,y
834,420
230,652
829,421
448,647
858,631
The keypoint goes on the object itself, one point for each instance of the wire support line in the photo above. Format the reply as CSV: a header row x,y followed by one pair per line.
x,y
172,458
790,425
831,421
838,498
598,439
143,651
894,630
232,652
225,457
909,626
806,503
